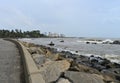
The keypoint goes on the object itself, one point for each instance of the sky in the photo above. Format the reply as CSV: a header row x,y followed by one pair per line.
x,y
80,18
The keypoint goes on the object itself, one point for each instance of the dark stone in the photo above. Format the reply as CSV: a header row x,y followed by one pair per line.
x,y
116,65
87,42
76,51
94,43
52,50
116,42
62,41
51,44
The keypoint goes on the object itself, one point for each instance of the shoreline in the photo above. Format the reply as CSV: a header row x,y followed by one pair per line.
x,y
97,65
109,51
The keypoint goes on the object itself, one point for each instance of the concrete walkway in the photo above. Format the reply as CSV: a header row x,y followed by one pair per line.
x,y
10,69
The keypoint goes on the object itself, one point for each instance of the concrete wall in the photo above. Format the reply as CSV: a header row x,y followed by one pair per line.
x,y
31,72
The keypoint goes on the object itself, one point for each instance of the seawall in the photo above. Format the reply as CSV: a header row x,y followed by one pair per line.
x,y
31,72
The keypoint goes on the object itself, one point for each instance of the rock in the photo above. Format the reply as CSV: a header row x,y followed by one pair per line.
x,y
94,43
115,70
83,68
52,50
61,40
63,80
54,57
81,77
98,67
48,53
41,50
66,54
103,61
37,55
116,42
108,79
87,42
114,73
51,71
51,44
83,60
28,44
39,59
33,50
116,65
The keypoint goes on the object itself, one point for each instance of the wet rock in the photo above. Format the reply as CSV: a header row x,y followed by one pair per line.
x,y
83,60
93,59
61,40
116,42
99,63
87,42
51,44
76,51
52,50
51,71
104,61
66,54
81,77
98,67
63,80
116,65
94,43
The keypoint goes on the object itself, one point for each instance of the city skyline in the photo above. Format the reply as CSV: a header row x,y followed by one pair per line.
x,y
78,18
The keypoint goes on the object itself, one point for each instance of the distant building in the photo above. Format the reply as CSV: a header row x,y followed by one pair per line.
x,y
55,35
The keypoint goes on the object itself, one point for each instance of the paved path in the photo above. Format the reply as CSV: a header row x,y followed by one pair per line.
x,y
9,63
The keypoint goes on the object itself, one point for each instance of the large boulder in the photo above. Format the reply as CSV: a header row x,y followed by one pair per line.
x,y
81,77
41,50
63,80
54,57
39,59
116,42
26,44
83,68
113,72
33,50
52,71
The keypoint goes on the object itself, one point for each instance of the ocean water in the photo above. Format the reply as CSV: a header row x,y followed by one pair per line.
x,y
109,51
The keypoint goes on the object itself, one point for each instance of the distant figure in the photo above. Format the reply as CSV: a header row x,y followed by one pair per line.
x,y
51,43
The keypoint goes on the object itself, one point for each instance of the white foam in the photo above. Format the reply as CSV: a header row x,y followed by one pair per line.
x,y
112,57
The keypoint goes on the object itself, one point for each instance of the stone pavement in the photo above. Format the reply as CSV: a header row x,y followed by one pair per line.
x,y
10,69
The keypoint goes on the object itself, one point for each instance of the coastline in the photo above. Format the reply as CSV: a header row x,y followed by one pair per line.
x,y
75,63
109,51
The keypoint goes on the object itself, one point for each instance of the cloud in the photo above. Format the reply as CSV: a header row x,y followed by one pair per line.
x,y
15,18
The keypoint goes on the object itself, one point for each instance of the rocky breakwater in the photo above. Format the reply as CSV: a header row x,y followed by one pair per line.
x,y
65,67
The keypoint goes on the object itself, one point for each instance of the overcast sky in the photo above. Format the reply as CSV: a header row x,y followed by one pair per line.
x,y
84,18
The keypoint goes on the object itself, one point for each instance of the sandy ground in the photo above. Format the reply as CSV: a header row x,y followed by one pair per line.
x,y
9,63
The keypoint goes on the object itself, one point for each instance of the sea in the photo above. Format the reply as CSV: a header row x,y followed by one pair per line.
x,y
78,46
